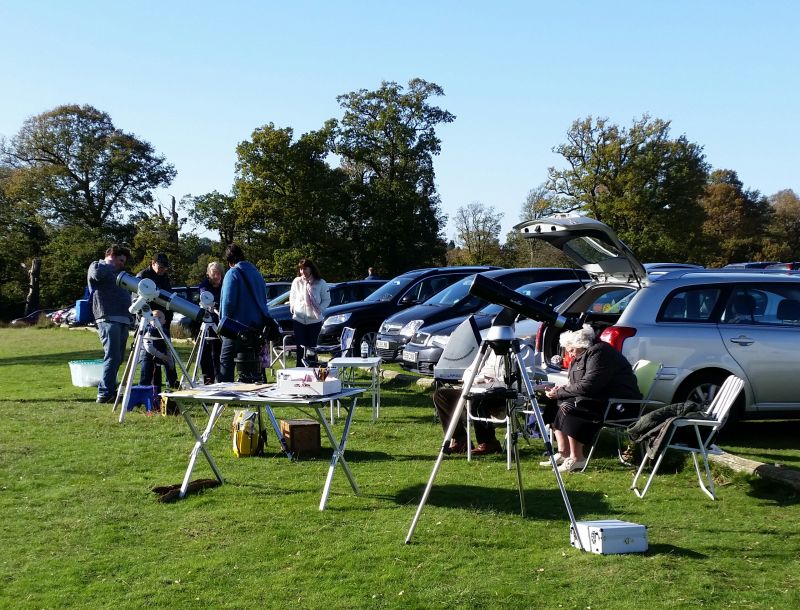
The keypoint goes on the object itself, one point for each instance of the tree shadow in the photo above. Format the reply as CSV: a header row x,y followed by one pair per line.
x,y
54,359
671,549
762,488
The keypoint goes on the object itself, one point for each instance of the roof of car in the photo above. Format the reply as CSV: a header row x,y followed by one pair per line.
x,y
735,273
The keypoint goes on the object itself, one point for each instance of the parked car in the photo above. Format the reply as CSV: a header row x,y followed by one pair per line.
x,y
662,268
275,289
455,300
341,293
33,317
785,266
405,290
425,348
702,325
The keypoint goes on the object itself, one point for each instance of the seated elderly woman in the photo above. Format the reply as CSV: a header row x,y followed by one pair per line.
x,y
598,372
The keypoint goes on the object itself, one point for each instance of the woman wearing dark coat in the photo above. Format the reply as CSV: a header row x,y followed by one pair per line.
x,y
598,372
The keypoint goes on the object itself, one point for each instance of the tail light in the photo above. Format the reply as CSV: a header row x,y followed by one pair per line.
x,y
615,335
537,344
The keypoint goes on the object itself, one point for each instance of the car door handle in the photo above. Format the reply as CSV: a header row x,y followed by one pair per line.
x,y
742,340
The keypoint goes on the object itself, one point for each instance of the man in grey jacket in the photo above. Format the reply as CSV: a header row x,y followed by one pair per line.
x,y
110,307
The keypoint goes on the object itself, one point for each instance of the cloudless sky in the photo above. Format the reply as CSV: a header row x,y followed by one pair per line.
x,y
196,78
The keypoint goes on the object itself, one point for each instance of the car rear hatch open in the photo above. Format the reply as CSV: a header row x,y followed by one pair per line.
x,y
590,244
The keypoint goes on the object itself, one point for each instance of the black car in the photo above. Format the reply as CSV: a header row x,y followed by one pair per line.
x,y
425,348
341,293
410,288
455,300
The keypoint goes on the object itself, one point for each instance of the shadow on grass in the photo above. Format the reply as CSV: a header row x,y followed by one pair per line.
x,y
544,503
670,549
776,494
54,359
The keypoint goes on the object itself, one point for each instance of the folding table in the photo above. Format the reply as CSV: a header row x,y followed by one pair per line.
x,y
264,397
372,363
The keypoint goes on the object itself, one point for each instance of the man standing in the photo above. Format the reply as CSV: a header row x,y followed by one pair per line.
x,y
243,299
110,307
150,375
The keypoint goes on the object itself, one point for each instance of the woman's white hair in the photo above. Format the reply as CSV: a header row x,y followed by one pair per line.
x,y
215,265
583,338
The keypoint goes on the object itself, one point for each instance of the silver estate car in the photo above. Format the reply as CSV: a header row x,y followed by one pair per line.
x,y
702,325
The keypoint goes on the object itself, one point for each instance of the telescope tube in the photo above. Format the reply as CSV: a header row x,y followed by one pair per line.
x,y
168,300
495,292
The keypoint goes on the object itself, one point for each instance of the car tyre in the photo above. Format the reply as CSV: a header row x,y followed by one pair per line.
x,y
370,338
702,388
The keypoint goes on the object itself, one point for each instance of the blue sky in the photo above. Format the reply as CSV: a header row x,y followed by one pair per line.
x,y
195,78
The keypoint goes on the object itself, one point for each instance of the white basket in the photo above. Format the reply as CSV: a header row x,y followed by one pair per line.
x,y
86,373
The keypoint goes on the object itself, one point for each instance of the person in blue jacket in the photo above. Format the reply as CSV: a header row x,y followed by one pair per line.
x,y
243,299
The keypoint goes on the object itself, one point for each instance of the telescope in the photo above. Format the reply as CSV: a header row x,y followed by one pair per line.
x,y
149,293
495,292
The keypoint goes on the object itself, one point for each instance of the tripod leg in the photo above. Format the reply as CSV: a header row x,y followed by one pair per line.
x,y
515,447
480,358
174,353
130,363
137,349
547,443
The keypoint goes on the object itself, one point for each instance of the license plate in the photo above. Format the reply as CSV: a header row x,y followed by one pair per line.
x,y
409,356
382,344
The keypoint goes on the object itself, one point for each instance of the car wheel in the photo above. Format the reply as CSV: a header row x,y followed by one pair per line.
x,y
700,389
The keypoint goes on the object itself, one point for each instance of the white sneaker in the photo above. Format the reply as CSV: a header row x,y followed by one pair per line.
x,y
558,458
571,465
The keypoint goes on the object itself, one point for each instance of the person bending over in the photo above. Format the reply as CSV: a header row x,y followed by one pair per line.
x,y
597,373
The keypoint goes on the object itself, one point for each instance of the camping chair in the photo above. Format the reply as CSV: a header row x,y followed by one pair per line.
x,y
345,347
717,413
280,351
646,375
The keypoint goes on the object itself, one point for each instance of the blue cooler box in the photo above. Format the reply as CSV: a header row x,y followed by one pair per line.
x,y
83,311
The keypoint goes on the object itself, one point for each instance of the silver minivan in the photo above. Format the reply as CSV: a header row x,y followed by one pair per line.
x,y
702,325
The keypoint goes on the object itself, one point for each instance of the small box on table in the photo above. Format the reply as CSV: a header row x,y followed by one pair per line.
x,y
302,436
610,536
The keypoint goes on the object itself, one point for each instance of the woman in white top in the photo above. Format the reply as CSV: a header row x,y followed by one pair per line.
x,y
309,297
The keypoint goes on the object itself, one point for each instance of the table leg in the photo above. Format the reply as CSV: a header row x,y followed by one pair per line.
x,y
338,453
200,445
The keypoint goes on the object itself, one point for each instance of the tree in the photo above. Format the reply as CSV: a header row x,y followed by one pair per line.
x,y
85,171
291,200
215,212
478,228
785,226
735,228
638,181
387,140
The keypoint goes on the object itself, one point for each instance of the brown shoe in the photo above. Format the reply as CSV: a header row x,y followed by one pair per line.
x,y
487,448
458,446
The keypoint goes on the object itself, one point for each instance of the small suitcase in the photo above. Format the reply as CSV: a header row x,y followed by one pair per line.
x,y
609,536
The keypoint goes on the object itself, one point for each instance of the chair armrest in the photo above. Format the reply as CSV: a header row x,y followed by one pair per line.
x,y
682,423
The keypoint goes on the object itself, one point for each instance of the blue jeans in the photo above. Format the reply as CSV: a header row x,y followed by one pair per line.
x,y
113,336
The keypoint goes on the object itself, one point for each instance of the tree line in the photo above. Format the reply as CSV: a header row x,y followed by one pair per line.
x,y
357,192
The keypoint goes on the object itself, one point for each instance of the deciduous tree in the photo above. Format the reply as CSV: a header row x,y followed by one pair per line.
x,y
785,226
478,228
86,171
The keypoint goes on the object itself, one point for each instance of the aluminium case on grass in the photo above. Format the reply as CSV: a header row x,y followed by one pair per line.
x,y
610,536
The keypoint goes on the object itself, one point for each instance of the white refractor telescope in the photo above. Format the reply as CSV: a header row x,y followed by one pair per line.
x,y
148,293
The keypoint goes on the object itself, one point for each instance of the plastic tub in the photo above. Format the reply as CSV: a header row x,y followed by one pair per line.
x,y
86,373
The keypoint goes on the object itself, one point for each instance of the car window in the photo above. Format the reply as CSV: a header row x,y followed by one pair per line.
x,y
556,295
428,287
769,304
389,290
613,301
452,294
690,305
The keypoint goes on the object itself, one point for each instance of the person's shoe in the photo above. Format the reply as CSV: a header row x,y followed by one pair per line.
x,y
559,460
487,448
105,399
458,446
572,465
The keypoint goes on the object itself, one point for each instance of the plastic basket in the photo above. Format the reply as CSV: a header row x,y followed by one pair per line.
x,y
86,373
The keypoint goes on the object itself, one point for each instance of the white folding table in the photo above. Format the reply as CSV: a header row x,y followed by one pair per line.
x,y
372,363
264,397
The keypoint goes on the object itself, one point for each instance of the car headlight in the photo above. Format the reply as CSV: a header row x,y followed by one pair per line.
x,y
337,319
409,329
439,340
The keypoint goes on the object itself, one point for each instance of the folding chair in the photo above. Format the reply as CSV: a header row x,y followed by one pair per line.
x,y
280,351
646,375
717,413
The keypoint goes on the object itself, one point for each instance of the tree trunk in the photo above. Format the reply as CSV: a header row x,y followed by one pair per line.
x,y
173,226
32,301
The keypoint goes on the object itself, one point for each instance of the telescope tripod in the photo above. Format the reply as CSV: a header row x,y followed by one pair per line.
x,y
146,321
200,345
502,341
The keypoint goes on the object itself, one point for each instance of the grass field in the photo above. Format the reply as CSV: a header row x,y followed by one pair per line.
x,y
81,528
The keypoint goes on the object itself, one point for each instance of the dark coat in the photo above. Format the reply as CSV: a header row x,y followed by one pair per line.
x,y
599,373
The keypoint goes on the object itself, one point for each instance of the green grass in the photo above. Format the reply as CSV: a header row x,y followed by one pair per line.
x,y
81,528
